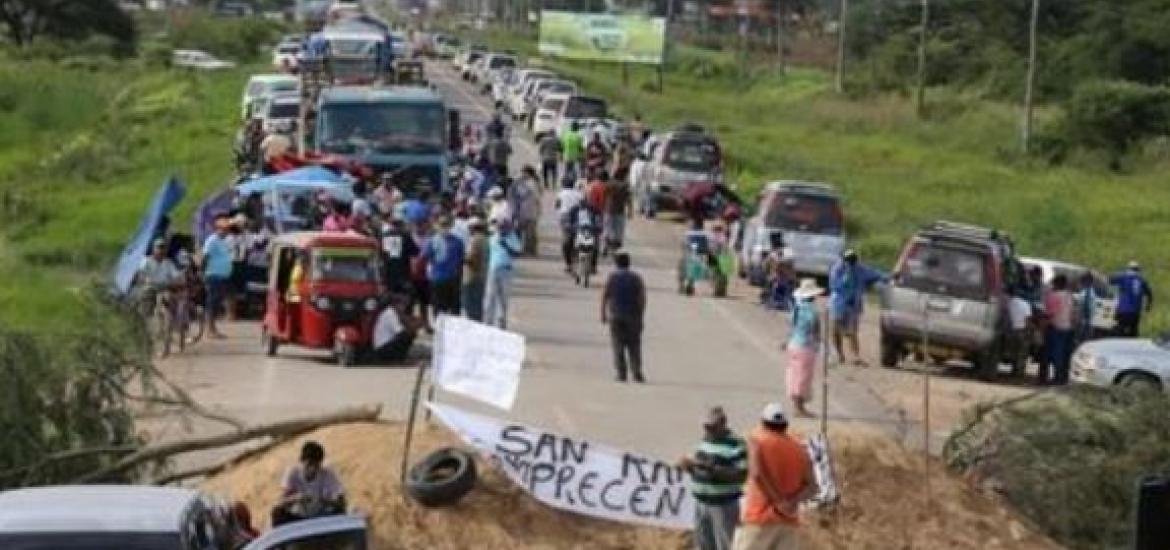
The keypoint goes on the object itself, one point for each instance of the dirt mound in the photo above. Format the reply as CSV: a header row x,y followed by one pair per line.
x,y
883,505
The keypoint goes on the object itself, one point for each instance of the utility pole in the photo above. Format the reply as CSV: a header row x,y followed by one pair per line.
x,y
920,96
1030,81
780,34
838,82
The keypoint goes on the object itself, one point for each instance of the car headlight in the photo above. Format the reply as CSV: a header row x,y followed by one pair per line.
x,y
322,302
371,304
1098,363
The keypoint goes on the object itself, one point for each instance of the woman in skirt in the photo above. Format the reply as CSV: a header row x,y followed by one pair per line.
x,y
802,346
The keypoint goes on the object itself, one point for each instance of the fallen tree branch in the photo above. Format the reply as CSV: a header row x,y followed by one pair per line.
x,y
284,428
67,455
214,469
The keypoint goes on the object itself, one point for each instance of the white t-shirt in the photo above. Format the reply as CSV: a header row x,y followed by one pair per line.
x,y
1019,310
157,274
275,145
387,327
324,487
567,199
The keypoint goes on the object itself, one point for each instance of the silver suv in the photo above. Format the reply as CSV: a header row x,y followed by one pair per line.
x,y
803,219
948,299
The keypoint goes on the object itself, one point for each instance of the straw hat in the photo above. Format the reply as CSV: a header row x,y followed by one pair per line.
x,y
808,289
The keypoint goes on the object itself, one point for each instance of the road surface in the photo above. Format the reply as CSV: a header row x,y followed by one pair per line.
x,y
699,351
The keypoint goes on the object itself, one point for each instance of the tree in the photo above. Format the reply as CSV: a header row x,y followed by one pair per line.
x,y
27,20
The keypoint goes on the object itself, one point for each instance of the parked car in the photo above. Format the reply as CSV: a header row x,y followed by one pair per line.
x,y
265,84
444,46
542,88
1127,362
804,219
515,97
468,64
502,81
605,33
132,517
672,162
281,113
492,64
1104,311
583,110
544,121
286,55
199,60
948,299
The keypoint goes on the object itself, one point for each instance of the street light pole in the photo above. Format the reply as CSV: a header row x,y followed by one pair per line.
x,y
838,83
1030,79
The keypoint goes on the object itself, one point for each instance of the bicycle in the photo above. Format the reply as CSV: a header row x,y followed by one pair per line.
x,y
161,321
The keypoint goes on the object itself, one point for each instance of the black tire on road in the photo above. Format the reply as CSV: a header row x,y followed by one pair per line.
x,y
442,477
891,352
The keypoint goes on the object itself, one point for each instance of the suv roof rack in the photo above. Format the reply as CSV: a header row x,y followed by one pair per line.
x,y
963,230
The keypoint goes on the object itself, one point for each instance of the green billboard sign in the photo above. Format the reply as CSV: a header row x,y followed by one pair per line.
x,y
602,36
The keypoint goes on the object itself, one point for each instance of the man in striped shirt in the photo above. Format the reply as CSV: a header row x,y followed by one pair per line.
x,y
718,469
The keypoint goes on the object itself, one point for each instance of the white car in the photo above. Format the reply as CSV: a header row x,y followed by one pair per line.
x,y
492,65
281,112
1104,313
286,56
501,83
544,120
140,517
262,85
1127,362
515,101
589,113
468,64
199,60
544,87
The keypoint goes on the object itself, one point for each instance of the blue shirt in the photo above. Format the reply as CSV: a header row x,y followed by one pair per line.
x,y
415,211
847,283
805,325
217,257
501,248
624,290
1132,291
444,253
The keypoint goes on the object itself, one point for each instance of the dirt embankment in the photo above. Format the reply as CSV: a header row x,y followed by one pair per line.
x,y
884,503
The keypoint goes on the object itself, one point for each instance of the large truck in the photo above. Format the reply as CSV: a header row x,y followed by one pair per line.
x,y
398,130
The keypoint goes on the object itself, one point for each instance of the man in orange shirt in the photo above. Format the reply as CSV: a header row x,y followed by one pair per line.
x,y
780,476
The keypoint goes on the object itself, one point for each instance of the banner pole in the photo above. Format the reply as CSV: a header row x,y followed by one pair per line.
x,y
824,314
422,367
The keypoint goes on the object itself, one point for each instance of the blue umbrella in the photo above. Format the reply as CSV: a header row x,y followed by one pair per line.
x,y
302,180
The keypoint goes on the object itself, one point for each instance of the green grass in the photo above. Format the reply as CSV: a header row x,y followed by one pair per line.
x,y
87,152
896,171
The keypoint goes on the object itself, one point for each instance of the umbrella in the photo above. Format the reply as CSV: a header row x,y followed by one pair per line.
x,y
302,180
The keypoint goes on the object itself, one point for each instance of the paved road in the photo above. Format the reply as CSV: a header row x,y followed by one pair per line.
x,y
699,352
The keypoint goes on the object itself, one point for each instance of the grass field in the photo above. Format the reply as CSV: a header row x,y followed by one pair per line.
x,y
896,171
83,151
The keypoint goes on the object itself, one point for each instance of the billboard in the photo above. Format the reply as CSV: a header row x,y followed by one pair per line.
x,y
632,38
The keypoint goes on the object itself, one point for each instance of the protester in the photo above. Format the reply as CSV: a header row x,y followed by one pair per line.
x,y
399,249
1086,302
718,469
444,254
499,210
779,478
581,217
638,131
309,490
335,220
503,246
524,198
419,275
395,332
387,195
475,270
596,190
1133,297
623,307
848,281
1020,316
618,205
156,273
217,270
498,150
496,127
596,155
1058,339
566,204
572,149
802,346
238,282
550,149
274,146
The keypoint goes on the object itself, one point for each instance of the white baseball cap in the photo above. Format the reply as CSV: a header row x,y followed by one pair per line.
x,y
774,414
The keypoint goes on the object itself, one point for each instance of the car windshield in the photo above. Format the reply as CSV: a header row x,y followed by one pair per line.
x,y
353,47
501,62
289,49
1073,274
560,88
552,104
284,110
949,271
283,86
691,155
805,212
353,67
585,107
345,265
388,128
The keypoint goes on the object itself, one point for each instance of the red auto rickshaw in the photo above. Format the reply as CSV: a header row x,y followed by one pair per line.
x,y
325,291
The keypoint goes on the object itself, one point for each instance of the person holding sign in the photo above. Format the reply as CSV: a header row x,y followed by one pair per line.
x,y
718,469
780,476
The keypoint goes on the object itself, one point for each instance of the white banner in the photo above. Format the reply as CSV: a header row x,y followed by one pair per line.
x,y
477,360
578,476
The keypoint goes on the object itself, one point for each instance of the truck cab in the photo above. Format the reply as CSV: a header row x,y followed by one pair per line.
x,y
398,130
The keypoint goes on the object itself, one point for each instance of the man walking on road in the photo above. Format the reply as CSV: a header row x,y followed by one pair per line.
x,y
217,271
444,254
779,477
623,306
550,156
502,248
718,469
1133,296
475,269
848,281
572,149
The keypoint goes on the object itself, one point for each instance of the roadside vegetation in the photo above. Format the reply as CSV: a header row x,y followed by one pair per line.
x,y
93,124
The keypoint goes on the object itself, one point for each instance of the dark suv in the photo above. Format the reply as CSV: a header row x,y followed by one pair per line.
x,y
948,298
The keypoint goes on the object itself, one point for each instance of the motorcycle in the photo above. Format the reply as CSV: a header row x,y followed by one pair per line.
x,y
585,245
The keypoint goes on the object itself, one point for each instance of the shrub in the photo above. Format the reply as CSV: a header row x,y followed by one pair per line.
x,y
1113,116
1068,461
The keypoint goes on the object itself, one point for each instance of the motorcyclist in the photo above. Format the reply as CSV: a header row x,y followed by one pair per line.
x,y
580,217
